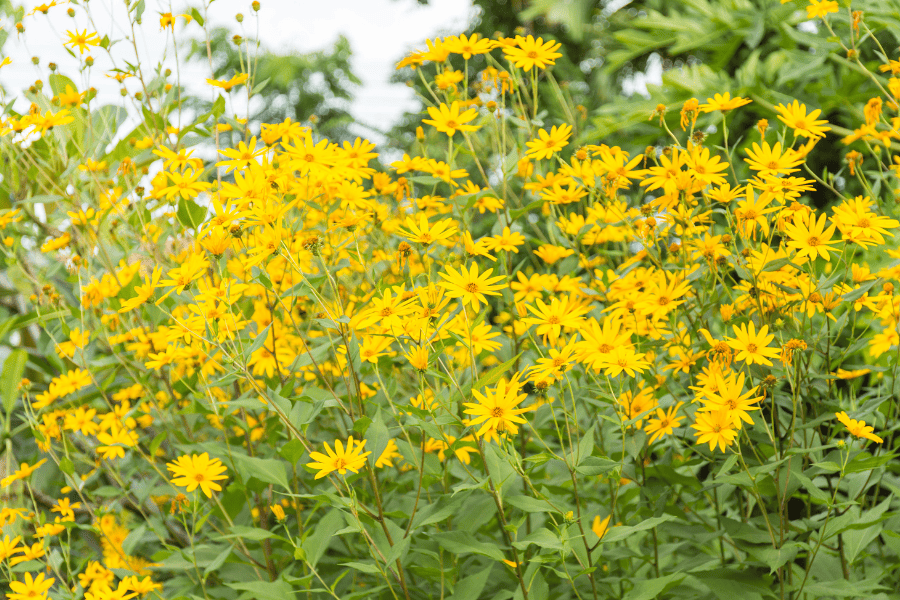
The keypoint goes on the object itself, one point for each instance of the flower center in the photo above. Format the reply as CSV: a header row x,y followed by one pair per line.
x,y
813,241
472,288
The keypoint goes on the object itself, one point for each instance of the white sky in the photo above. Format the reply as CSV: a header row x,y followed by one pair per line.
x,y
380,33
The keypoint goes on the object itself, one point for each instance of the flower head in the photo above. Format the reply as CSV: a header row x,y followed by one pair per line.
x,y
340,459
197,470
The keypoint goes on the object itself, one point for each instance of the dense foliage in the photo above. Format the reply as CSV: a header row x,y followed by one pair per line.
x,y
532,358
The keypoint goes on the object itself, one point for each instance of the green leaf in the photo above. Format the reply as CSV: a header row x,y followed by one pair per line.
x,y
315,545
260,86
258,342
647,589
614,534
197,16
528,504
543,538
218,561
59,82
254,534
66,465
106,122
461,542
596,465
267,470
264,590
361,425
190,214
13,369
364,567
865,462
292,451
856,540
471,586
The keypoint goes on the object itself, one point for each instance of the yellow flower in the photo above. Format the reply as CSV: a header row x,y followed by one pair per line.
x,y
546,144
723,102
197,470
387,457
662,424
496,409
470,286
24,472
858,428
468,46
30,588
229,83
820,8
448,119
770,160
425,233
810,238
715,428
82,40
339,459
600,527
529,53
753,346
804,125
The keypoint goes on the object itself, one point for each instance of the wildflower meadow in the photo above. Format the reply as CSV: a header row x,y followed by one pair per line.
x,y
532,346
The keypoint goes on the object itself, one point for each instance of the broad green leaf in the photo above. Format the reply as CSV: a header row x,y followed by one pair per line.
x,y
647,589
264,590
190,214
267,470
13,369
471,586
460,542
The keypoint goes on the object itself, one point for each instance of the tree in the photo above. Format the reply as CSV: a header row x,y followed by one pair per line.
x,y
316,85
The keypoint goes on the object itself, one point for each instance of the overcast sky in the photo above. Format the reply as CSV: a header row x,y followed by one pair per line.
x,y
380,33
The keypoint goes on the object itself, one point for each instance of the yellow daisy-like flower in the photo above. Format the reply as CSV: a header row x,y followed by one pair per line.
x,y
82,40
426,233
770,160
341,460
715,428
804,125
529,52
664,423
448,119
723,102
810,238
496,409
548,144
24,472
858,428
753,346
820,8
470,286
195,471
229,83
30,588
